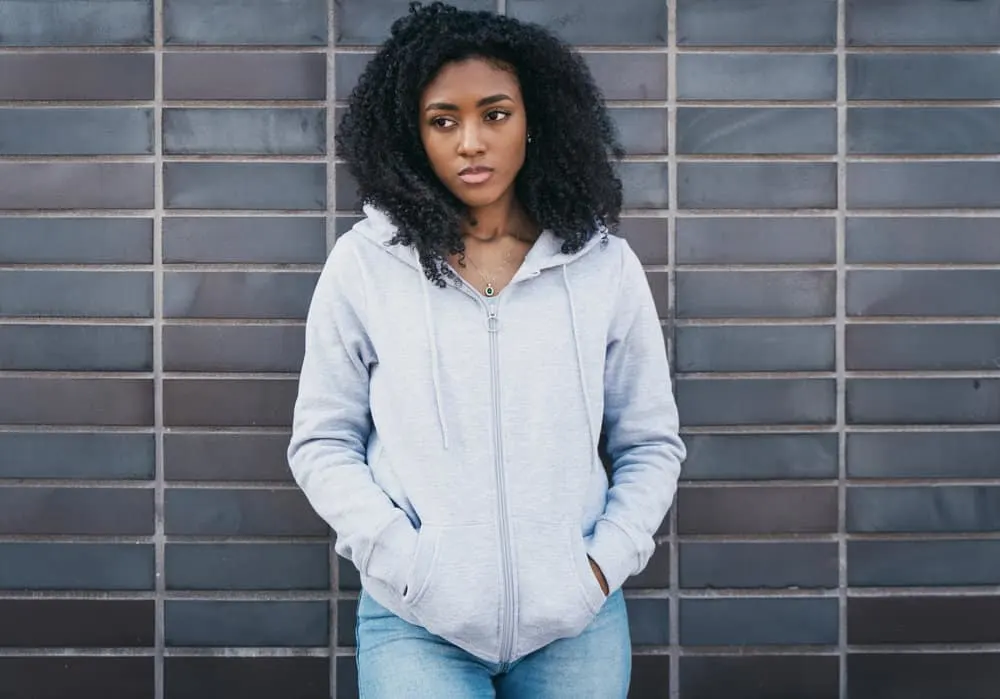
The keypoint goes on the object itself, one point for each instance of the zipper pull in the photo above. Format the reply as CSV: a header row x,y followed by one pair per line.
x,y
492,324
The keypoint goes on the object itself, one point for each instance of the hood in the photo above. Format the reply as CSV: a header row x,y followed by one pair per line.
x,y
546,252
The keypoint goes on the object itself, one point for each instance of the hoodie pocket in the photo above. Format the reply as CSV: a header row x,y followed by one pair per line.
x,y
558,594
453,588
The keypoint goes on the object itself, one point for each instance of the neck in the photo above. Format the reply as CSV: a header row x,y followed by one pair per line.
x,y
492,223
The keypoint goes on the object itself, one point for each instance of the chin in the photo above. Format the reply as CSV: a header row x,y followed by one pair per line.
x,y
477,199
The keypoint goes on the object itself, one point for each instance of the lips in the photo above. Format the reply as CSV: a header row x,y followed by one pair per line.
x,y
475,175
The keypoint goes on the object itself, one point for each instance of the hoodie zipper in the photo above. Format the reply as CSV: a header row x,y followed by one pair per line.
x,y
508,619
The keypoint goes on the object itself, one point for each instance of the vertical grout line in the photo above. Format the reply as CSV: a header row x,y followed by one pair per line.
x,y
158,493
674,601
331,235
840,345
501,7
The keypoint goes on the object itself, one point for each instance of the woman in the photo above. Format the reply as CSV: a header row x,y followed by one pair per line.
x,y
467,343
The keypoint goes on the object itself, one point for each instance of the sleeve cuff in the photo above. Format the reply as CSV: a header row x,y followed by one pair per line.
x,y
392,553
614,551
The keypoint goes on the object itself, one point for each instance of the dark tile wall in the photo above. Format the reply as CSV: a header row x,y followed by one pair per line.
x,y
813,185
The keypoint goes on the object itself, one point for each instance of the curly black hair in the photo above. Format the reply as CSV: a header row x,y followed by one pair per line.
x,y
568,182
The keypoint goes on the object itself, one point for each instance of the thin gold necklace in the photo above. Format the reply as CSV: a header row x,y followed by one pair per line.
x,y
490,290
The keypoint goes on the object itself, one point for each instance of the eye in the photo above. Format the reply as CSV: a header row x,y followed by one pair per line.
x,y
442,122
497,115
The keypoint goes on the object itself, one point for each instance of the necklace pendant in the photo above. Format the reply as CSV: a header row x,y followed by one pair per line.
x,y
489,290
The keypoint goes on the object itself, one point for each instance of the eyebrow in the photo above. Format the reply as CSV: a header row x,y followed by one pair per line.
x,y
449,107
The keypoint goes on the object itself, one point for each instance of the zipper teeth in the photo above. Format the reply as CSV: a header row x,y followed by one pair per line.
x,y
506,629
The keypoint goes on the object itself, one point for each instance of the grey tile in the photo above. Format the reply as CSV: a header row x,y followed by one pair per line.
x,y
236,239
761,23
243,76
923,619
760,456
626,22
247,567
923,185
745,510
650,677
77,455
922,454
75,293
920,130
246,624
245,22
648,238
923,401
649,621
214,512
705,402
348,577
367,22
756,130
79,131
217,456
923,509
70,23
229,402
918,76
76,185
923,347
81,511
76,348
641,130
646,185
346,189
50,566
629,76
45,401
922,23
927,563
656,574
77,623
281,131
756,76
734,241
343,224
76,76
757,185
231,348
253,677
245,186
728,294
659,282
347,619
935,292
238,294
922,240
65,675
760,676
76,240
755,348
758,622
347,69
971,674
758,565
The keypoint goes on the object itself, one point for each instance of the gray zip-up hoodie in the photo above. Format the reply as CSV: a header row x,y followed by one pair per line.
x,y
451,440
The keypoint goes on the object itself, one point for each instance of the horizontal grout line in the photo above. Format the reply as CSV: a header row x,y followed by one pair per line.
x,y
82,483
895,374
254,652
142,652
75,539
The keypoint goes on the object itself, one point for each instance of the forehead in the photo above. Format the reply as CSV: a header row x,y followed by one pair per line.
x,y
471,79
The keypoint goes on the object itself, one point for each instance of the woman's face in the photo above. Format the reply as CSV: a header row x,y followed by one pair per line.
x,y
474,129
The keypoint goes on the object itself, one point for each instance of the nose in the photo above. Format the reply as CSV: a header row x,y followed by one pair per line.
x,y
470,141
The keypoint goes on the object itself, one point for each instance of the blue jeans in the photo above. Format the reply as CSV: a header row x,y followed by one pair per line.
x,y
397,659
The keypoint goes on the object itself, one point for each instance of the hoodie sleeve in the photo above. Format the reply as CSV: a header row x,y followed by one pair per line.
x,y
332,422
642,431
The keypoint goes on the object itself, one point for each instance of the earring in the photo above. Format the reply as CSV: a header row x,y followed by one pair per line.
x,y
530,138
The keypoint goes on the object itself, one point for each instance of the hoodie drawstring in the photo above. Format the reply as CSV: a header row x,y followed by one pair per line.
x,y
579,358
435,362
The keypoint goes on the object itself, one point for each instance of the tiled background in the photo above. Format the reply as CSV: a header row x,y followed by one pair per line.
x,y
814,185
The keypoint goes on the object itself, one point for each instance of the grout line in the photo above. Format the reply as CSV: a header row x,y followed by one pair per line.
x,y
841,361
159,545
674,591
331,233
